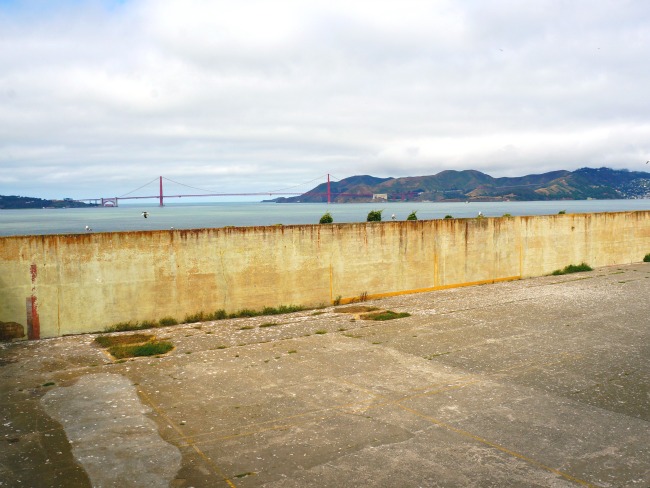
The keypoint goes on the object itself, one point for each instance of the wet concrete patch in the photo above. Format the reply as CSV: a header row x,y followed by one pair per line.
x,y
110,434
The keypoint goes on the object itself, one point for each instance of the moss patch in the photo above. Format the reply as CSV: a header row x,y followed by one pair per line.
x,y
133,345
108,341
153,348
384,315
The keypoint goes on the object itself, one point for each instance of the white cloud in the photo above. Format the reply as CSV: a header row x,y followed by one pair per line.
x,y
249,96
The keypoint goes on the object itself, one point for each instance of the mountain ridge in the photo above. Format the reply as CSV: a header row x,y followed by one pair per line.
x,y
13,202
474,185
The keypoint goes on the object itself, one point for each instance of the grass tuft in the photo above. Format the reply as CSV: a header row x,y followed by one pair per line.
x,y
646,258
167,321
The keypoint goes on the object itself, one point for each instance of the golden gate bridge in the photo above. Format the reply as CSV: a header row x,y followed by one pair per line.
x,y
114,201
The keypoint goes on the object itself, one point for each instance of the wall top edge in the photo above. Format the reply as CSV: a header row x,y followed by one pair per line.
x,y
282,227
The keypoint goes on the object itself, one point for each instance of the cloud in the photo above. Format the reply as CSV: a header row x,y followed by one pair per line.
x,y
102,96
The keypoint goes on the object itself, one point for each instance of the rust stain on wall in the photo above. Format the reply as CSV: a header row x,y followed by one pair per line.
x,y
33,321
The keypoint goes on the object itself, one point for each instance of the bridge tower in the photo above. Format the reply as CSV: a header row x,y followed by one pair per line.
x,y
328,189
161,193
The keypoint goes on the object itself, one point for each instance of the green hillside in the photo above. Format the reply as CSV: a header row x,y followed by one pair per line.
x,y
472,185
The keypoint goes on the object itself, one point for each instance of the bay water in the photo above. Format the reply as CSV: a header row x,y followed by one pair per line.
x,y
220,214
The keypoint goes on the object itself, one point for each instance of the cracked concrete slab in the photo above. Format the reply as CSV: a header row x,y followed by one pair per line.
x,y
542,382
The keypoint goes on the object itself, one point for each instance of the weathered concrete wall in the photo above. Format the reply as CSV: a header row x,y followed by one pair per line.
x,y
65,284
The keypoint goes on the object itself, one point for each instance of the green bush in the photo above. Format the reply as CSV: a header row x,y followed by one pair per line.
x,y
561,212
507,215
374,216
412,215
448,216
572,268
326,218
646,258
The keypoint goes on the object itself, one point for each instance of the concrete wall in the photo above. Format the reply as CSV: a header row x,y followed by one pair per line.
x,y
65,284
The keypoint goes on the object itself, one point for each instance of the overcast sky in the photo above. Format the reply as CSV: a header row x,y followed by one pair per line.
x,y
100,97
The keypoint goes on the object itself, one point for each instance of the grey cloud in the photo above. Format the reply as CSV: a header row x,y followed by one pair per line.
x,y
267,94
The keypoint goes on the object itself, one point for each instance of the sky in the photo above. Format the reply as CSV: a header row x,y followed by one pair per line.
x,y
98,98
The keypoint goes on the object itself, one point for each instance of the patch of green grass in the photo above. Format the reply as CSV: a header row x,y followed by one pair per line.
x,y
320,331
646,258
320,312
572,268
293,351
49,383
203,317
108,341
385,315
139,350
246,327
282,309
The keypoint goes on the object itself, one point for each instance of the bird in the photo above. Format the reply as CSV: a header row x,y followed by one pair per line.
x,y
88,229
647,162
393,217
145,214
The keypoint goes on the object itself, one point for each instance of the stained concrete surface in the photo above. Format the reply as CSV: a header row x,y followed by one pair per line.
x,y
541,382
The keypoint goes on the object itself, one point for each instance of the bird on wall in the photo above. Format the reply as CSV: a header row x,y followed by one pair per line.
x,y
145,214
88,229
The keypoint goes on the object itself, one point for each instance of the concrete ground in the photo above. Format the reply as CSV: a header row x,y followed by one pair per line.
x,y
541,382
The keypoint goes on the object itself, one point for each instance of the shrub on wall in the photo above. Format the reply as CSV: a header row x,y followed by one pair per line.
x,y
374,216
412,215
326,218
646,258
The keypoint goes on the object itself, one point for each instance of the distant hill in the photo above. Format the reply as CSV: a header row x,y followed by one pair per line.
x,y
472,185
12,202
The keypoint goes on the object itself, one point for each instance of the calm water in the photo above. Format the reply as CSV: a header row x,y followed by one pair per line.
x,y
191,216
